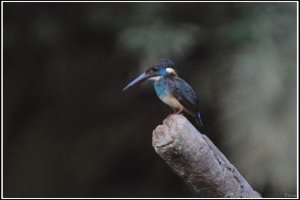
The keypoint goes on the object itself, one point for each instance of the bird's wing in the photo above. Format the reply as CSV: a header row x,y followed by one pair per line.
x,y
184,93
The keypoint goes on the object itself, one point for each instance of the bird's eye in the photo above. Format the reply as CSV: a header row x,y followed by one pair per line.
x,y
155,69
152,70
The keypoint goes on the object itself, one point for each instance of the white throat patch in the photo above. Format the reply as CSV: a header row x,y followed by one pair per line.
x,y
156,78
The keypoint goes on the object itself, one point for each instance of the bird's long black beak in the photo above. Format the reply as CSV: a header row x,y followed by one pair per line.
x,y
144,76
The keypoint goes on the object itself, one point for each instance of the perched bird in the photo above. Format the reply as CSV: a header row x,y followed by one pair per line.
x,y
170,88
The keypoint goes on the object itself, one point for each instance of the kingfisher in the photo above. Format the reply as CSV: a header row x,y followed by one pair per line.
x,y
170,88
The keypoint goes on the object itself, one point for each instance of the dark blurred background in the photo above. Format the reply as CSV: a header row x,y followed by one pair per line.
x,y
70,131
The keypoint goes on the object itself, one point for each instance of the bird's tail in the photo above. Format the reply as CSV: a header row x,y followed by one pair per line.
x,y
198,119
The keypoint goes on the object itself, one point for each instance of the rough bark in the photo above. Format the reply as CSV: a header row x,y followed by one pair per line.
x,y
192,155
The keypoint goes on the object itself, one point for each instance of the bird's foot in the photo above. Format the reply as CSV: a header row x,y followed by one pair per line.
x,y
176,113
179,111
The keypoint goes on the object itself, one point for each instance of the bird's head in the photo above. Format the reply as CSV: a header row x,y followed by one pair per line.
x,y
156,71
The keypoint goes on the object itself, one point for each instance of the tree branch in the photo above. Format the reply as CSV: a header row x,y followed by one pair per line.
x,y
204,169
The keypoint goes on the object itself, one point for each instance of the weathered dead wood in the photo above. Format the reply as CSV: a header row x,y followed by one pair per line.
x,y
192,155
